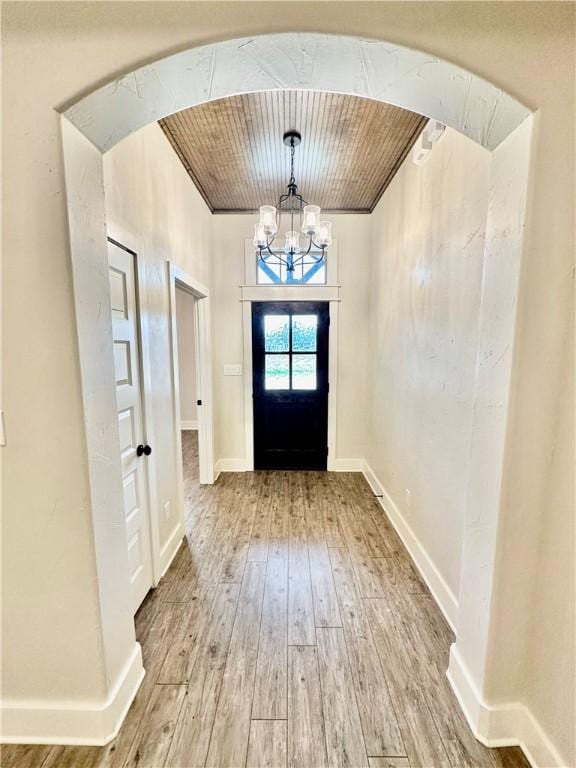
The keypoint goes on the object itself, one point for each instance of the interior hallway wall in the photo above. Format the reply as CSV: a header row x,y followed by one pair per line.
x,y
186,329
428,245
151,201
229,233
533,643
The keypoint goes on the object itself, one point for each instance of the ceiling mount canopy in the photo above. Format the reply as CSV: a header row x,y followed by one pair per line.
x,y
292,139
304,219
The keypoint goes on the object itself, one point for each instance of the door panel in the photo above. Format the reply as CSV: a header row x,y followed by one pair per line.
x,y
130,415
290,384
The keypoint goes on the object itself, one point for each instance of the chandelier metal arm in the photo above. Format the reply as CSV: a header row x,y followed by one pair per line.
x,y
291,262
288,196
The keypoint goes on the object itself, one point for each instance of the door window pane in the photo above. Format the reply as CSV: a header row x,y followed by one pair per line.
x,y
276,336
277,372
303,371
304,333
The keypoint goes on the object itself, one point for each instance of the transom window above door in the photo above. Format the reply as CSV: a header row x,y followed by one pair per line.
x,y
269,271
290,352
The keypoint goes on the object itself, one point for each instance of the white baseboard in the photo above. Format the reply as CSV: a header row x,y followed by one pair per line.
x,y
188,425
372,480
501,725
443,595
510,724
72,722
345,465
230,465
170,547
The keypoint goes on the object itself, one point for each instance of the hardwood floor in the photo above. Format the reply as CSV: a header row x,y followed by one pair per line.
x,y
290,631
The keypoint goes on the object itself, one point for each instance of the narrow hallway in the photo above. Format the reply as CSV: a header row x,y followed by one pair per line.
x,y
290,630
287,395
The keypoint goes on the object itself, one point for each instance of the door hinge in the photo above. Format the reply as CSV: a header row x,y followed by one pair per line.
x,y
198,402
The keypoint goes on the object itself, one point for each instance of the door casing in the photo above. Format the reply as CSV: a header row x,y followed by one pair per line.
x,y
178,277
251,292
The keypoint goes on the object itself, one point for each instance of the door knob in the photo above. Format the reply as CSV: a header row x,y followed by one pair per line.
x,y
143,449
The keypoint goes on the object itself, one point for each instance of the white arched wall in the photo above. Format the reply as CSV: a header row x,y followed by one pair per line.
x,y
369,68
362,67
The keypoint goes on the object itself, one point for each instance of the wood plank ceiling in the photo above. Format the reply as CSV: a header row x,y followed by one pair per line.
x,y
351,148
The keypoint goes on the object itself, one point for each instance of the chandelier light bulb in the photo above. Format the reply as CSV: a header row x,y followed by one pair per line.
x,y
260,239
325,233
293,242
268,220
311,220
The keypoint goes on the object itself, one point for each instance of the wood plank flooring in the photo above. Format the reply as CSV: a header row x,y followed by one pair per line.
x,y
291,631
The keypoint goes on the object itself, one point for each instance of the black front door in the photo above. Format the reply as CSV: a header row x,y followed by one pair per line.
x,y
290,384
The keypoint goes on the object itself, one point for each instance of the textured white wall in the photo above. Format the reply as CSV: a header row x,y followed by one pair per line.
x,y
427,249
185,327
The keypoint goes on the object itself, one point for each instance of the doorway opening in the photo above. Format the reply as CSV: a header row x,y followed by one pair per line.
x,y
290,384
191,355
186,333
453,96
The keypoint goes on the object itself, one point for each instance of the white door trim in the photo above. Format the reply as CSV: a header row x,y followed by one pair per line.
x,y
290,293
178,277
248,404
332,384
252,292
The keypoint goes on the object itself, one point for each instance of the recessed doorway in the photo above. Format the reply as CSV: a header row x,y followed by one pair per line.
x,y
290,384
186,330
191,384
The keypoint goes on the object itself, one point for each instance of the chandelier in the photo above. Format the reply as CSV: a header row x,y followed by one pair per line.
x,y
304,220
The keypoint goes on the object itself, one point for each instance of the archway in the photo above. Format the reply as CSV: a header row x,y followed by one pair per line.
x,y
368,68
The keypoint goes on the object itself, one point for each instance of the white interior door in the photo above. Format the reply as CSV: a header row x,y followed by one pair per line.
x,y
130,419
